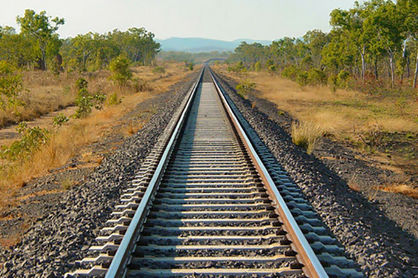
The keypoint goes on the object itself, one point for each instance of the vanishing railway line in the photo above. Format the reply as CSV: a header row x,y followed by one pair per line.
x,y
211,201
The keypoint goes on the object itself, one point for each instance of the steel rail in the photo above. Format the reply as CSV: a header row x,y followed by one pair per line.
x,y
123,255
312,266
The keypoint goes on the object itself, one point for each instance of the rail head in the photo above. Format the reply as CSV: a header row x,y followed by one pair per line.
x,y
312,265
117,267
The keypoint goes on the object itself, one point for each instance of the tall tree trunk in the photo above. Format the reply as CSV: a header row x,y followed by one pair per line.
x,y
84,62
416,73
408,71
376,71
43,59
392,69
363,62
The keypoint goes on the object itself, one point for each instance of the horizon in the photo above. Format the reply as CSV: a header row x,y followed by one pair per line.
x,y
202,38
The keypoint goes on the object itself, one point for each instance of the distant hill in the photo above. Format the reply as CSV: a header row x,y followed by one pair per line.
x,y
202,45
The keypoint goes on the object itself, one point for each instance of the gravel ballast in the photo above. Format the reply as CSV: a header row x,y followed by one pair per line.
x,y
63,233
375,242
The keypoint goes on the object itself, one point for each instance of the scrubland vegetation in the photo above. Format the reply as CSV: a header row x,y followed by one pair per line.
x,y
355,84
372,47
103,76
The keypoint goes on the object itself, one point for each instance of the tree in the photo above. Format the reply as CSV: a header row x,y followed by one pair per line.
x,y
41,29
15,48
120,70
409,10
250,54
386,24
10,85
316,41
82,48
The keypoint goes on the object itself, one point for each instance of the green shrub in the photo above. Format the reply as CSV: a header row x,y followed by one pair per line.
x,y
307,61
30,141
302,78
81,84
238,67
272,68
316,77
10,86
244,87
113,99
332,82
342,79
257,66
119,67
158,69
290,72
59,120
85,101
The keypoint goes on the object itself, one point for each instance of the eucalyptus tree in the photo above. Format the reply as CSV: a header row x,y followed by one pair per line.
x,y
42,30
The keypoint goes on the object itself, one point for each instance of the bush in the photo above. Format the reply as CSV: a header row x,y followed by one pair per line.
x,y
10,86
158,69
342,79
238,67
30,141
332,82
290,72
119,67
302,78
59,120
81,84
85,101
113,99
305,135
316,77
244,87
307,62
257,66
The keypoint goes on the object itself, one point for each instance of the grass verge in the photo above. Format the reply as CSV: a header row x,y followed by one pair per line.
x,y
71,138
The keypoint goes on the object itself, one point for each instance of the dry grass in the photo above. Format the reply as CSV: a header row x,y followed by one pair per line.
x,y
44,93
400,188
9,241
68,183
132,128
337,112
305,135
71,139
38,193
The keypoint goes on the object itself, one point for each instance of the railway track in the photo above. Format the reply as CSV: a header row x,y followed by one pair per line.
x,y
211,201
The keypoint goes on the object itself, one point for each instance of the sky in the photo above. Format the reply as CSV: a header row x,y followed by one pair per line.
x,y
214,19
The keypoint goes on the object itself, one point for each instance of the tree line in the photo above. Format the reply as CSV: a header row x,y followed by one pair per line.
x,y
376,40
38,46
192,57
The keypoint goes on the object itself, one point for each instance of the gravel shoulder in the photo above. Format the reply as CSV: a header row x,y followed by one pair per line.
x,y
379,233
63,223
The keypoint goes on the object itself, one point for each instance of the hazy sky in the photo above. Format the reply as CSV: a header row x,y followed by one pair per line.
x,y
216,19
